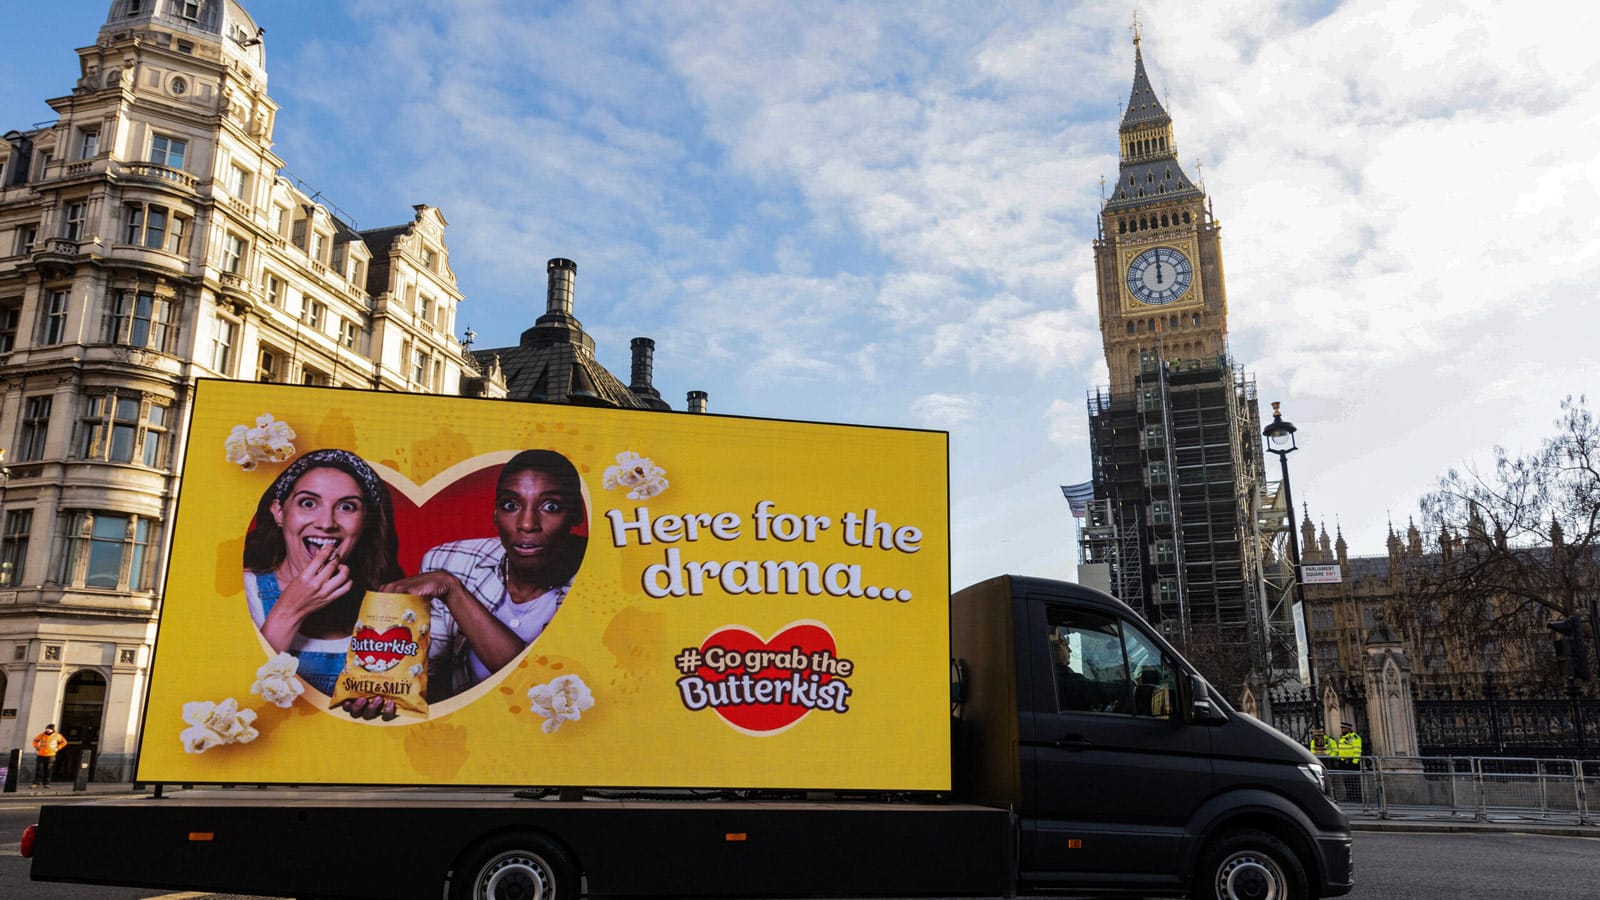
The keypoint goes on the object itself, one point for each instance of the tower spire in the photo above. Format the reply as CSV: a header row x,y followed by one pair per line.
x,y
1148,166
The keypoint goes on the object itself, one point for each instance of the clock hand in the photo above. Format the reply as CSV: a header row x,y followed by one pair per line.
x,y
1158,269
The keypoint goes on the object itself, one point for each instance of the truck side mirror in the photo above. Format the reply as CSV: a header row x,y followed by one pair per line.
x,y
1200,710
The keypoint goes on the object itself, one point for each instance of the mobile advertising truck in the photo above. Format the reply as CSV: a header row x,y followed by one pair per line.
x,y
414,646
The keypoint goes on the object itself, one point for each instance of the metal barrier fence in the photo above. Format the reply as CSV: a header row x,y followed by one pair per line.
x,y
1471,788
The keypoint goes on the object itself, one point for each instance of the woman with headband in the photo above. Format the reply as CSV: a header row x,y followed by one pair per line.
x,y
323,535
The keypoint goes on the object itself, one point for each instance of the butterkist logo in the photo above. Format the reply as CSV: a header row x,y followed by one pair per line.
x,y
396,646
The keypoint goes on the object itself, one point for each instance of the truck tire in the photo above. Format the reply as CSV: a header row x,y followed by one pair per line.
x,y
523,866
1249,865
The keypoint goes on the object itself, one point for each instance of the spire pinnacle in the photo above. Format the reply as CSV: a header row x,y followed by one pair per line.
x,y
1136,32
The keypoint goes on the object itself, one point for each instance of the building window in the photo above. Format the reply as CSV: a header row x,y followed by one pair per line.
x,y
100,546
419,366
10,320
430,259
168,151
127,656
319,247
19,525
267,366
72,225
314,314
35,427
189,9
1166,552
1167,590
88,144
274,291
53,328
139,319
154,227
222,346
347,333
233,249
280,220
44,164
1158,473
238,179
110,427
1155,438
27,236
1161,512
313,377
155,436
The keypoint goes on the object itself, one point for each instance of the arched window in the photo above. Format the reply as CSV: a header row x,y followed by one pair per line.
x,y
1196,319
1130,328
1185,218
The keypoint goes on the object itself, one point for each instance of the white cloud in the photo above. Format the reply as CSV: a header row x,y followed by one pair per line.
x,y
867,212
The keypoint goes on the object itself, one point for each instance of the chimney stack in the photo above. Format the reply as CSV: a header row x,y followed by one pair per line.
x,y
697,401
644,351
558,301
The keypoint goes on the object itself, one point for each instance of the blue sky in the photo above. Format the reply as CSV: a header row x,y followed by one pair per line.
x,y
883,213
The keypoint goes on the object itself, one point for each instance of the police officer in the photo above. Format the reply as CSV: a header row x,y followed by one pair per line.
x,y
1347,751
1320,743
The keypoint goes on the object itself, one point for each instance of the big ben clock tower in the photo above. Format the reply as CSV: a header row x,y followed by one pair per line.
x,y
1175,438
1158,261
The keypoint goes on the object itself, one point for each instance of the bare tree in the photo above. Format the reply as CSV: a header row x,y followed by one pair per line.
x,y
1509,550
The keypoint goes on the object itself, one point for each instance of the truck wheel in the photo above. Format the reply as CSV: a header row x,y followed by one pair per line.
x,y
516,867
1249,865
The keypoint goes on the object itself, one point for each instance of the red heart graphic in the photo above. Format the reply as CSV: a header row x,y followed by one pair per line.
x,y
458,510
810,638
378,652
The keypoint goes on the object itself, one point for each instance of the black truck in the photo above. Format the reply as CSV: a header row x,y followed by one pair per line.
x,y
1087,756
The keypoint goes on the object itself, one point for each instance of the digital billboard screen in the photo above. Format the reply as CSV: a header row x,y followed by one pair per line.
x,y
382,588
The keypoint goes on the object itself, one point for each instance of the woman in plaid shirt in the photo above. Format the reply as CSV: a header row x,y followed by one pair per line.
x,y
493,596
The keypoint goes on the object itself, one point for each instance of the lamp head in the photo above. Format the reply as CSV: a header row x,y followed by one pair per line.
x,y
1279,433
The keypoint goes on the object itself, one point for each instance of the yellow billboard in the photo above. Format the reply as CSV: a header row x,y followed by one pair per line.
x,y
381,588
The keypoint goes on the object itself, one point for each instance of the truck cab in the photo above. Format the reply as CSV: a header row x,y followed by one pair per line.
x,y
1125,769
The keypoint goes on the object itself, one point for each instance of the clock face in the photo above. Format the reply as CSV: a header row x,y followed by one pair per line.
x,y
1159,276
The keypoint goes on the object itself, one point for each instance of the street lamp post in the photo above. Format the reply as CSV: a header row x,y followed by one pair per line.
x,y
1280,441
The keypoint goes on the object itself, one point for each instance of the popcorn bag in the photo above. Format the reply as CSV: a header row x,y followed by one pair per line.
x,y
388,654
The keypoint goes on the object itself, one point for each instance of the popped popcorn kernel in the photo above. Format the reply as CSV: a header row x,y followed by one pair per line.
x,y
643,478
214,724
562,700
276,682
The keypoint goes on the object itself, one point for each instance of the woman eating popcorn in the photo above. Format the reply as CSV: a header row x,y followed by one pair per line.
x,y
323,534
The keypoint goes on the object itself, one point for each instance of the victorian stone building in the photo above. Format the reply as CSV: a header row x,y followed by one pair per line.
x,y
150,237
147,239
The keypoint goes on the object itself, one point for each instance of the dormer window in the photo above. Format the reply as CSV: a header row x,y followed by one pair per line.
x,y
189,9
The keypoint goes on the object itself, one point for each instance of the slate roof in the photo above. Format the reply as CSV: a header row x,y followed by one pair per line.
x,y
1152,179
1144,108
554,362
